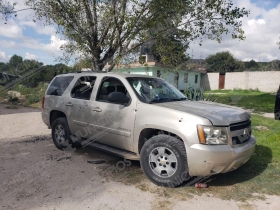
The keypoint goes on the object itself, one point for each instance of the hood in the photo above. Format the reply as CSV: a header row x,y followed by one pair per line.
x,y
218,114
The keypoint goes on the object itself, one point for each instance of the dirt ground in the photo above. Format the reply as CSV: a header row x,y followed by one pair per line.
x,y
36,175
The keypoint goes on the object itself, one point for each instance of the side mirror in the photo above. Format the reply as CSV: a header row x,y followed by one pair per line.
x,y
118,97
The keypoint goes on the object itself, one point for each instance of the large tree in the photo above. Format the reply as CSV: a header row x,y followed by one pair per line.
x,y
169,51
105,30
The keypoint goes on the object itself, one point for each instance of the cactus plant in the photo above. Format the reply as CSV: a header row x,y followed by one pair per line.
x,y
197,94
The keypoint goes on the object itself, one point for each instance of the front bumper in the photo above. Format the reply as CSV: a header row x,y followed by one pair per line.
x,y
205,160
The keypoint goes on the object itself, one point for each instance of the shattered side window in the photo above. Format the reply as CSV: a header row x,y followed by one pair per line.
x,y
59,85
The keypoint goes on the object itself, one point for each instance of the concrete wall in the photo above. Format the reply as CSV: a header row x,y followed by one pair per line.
x,y
266,81
210,81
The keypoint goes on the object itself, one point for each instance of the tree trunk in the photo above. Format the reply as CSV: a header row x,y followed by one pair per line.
x,y
176,79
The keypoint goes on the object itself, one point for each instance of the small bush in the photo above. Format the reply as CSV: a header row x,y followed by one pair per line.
x,y
33,98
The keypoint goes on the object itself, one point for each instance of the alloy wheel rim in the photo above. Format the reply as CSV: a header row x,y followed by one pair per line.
x,y
59,134
163,162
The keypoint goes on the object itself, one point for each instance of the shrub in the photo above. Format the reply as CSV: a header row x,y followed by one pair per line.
x,y
33,98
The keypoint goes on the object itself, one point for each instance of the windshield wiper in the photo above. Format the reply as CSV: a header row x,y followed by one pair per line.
x,y
160,100
180,99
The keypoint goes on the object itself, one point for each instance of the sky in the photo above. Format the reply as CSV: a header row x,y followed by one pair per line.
x,y
33,40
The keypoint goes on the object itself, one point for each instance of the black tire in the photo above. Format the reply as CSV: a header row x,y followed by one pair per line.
x,y
61,140
163,160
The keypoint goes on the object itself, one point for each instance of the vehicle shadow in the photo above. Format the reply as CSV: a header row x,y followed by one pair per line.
x,y
253,168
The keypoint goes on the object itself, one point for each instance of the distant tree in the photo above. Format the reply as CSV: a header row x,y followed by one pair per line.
x,y
14,63
275,65
223,62
252,65
28,65
47,73
3,67
239,66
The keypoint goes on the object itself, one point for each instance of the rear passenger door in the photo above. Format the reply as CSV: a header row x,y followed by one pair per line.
x,y
78,105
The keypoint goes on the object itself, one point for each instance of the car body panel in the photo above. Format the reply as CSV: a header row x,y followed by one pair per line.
x,y
218,114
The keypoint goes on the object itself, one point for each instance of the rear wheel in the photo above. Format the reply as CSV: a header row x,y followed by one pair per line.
x,y
61,133
164,161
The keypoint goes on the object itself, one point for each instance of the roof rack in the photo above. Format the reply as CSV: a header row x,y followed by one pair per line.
x,y
93,71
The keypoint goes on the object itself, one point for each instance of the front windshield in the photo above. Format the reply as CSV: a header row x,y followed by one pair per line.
x,y
155,90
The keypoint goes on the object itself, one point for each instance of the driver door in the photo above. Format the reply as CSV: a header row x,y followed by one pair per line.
x,y
112,123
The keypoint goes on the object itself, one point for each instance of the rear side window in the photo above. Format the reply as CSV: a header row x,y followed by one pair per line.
x,y
59,85
83,88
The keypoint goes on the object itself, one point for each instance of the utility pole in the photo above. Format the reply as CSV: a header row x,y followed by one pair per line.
x,y
192,54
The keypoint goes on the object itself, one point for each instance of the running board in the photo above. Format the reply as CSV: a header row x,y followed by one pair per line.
x,y
113,150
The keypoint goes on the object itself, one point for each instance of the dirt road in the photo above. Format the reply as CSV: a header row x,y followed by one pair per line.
x,y
36,175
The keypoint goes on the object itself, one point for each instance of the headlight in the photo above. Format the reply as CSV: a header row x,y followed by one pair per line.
x,y
212,135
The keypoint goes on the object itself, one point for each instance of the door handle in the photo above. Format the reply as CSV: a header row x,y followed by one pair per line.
x,y
69,104
97,109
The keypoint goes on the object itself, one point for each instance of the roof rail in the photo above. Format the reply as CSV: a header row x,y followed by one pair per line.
x,y
93,71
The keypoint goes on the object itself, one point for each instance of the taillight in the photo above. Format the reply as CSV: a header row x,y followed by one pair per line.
x,y
43,102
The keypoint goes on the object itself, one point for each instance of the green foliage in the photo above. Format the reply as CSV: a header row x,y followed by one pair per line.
x,y
105,30
32,99
169,52
3,67
32,72
239,65
198,94
224,62
248,99
275,65
31,95
82,63
15,61
194,94
251,64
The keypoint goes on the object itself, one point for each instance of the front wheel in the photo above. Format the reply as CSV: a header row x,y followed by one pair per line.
x,y
163,160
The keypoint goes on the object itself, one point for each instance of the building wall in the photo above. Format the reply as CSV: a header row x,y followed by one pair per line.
x,y
168,76
266,81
